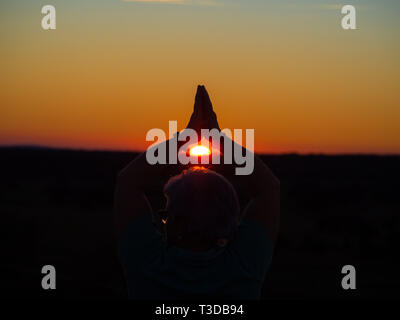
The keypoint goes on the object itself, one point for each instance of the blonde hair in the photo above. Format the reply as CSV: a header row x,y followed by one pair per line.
x,y
204,203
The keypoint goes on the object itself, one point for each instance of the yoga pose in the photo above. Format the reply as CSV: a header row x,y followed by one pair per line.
x,y
202,245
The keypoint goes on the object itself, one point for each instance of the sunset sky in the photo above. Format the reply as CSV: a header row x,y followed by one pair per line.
x,y
114,69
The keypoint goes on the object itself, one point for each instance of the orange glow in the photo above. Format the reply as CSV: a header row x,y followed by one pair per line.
x,y
200,151
86,85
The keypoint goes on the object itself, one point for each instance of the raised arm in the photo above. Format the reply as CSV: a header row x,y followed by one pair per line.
x,y
130,200
138,176
263,185
264,189
264,205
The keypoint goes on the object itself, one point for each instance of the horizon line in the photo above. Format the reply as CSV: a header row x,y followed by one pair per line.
x,y
43,147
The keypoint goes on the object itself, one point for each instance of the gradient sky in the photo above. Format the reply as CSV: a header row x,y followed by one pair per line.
x,y
114,69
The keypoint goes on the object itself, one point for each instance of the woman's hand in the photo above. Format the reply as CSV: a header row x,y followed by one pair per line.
x,y
203,116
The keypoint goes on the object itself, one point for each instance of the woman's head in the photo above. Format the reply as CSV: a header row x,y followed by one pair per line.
x,y
202,209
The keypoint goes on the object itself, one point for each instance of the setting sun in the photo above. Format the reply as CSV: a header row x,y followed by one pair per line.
x,y
199,151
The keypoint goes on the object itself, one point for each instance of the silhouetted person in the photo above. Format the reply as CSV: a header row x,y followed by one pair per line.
x,y
210,248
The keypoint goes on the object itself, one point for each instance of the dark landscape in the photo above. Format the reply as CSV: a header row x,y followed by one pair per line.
x,y
56,208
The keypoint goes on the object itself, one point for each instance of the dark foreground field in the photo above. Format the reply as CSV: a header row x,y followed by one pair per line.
x,y
56,208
